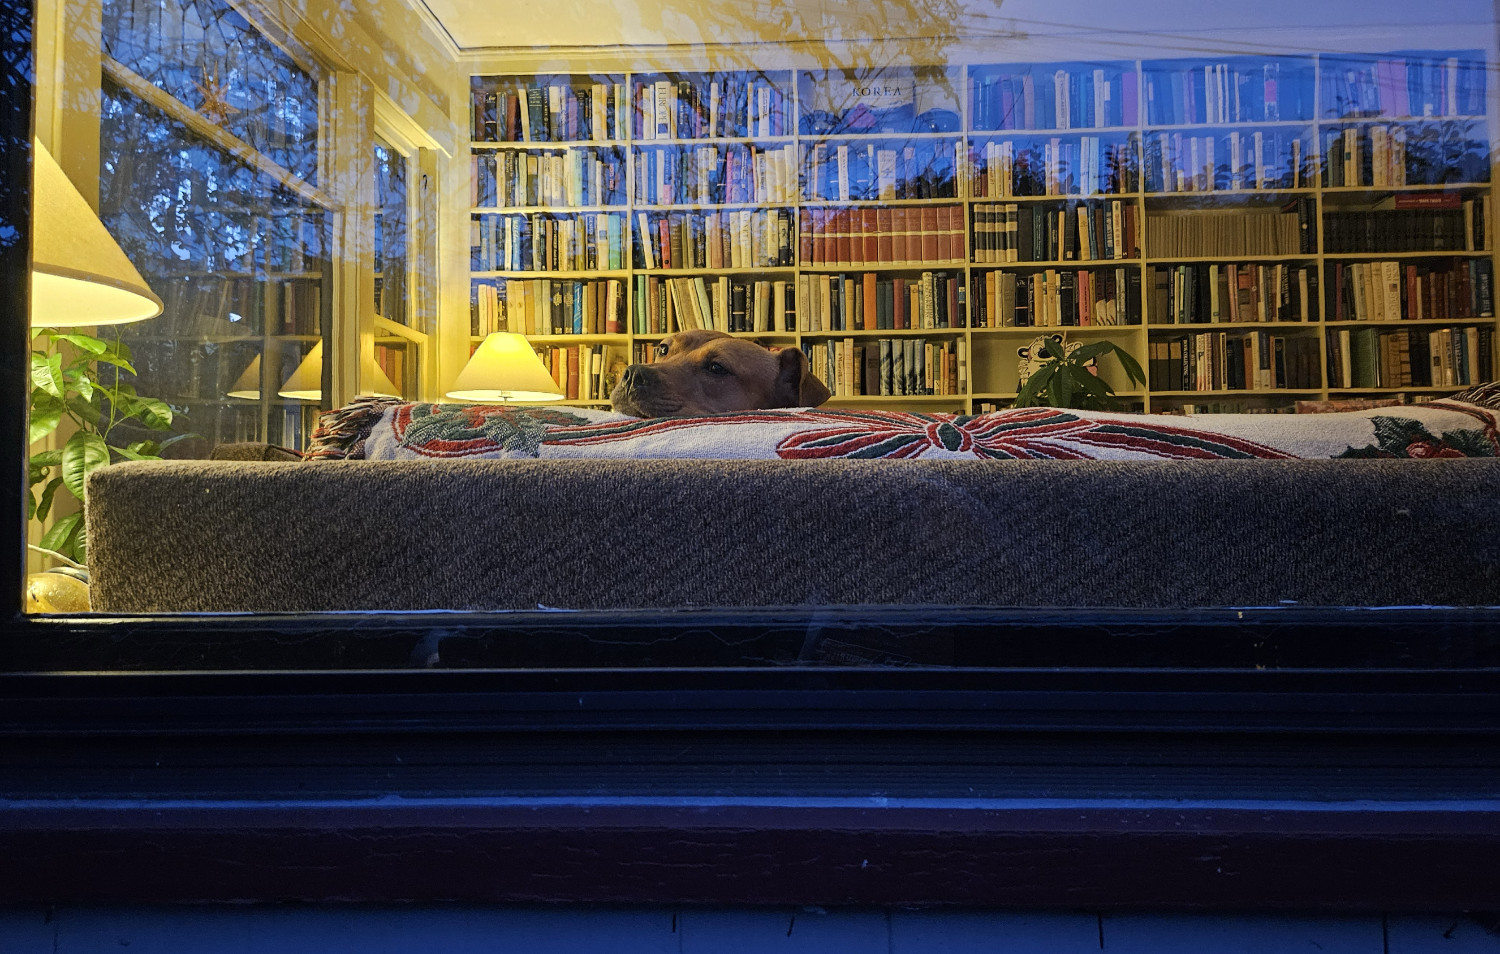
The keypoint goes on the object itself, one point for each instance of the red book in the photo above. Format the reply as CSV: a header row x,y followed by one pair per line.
x,y
872,318
929,230
572,386
884,251
898,235
869,229
955,233
805,237
842,250
955,320
1128,224
664,243
1428,200
899,318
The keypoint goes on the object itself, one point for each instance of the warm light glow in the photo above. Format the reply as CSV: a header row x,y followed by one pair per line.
x,y
380,382
306,383
247,385
504,368
79,274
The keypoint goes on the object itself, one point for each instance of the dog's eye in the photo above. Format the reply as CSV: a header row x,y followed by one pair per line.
x,y
661,349
715,367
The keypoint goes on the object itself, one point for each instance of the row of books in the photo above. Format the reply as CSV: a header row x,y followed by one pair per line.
x,y
1250,90
1447,223
667,305
542,242
1391,154
1058,297
730,238
900,235
542,109
1404,85
570,178
728,105
890,366
1234,361
1074,231
1409,357
1233,233
915,169
715,175
870,302
209,306
1392,291
1207,293
1037,96
1088,166
584,372
1237,160
546,306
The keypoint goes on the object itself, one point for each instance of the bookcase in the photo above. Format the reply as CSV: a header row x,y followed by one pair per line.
x,y
1255,230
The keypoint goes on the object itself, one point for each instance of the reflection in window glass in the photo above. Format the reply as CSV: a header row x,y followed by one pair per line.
x,y
241,266
206,55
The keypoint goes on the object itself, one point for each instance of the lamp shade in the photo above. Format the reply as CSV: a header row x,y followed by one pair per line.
x,y
504,368
79,274
247,386
380,382
306,383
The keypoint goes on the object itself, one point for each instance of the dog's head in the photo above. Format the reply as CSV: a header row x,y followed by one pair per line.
x,y
708,372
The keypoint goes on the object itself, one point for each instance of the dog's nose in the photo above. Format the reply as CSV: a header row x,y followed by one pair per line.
x,y
633,376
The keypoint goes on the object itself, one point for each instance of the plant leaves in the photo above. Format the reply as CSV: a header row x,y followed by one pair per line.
x,y
118,361
85,409
84,343
1031,391
154,413
46,458
65,536
44,506
1132,367
1062,386
46,413
84,453
1091,350
46,373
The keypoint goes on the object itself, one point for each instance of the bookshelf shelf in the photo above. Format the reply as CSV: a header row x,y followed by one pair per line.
x,y
1116,139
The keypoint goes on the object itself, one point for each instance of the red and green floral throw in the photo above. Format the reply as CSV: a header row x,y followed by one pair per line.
x,y
386,429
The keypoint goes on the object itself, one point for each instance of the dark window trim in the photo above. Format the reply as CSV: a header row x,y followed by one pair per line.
x,y
1355,773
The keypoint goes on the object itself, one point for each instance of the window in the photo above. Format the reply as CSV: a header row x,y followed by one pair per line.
x,y
361,201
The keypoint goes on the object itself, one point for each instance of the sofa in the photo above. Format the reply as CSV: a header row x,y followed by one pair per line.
x,y
517,509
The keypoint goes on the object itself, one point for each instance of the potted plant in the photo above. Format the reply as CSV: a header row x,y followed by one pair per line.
x,y
1056,373
72,388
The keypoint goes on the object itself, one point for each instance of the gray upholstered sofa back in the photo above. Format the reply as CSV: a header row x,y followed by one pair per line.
x,y
479,534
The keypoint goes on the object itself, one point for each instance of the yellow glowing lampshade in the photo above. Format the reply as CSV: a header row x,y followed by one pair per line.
x,y
247,386
306,383
504,368
79,274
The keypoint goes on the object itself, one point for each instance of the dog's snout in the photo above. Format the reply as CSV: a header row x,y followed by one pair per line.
x,y
633,376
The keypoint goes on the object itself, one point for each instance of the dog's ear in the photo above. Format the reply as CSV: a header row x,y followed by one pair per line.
x,y
796,385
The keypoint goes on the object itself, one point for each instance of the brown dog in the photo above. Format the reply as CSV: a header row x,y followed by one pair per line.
x,y
708,372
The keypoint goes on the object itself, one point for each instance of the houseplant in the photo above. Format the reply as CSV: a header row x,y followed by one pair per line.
x,y
82,385
1056,373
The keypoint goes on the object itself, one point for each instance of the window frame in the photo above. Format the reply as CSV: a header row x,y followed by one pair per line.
x,y
384,785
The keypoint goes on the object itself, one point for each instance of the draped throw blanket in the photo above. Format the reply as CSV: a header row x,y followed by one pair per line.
x,y
386,429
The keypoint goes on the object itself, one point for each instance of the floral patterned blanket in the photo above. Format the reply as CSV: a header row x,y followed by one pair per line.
x,y
386,429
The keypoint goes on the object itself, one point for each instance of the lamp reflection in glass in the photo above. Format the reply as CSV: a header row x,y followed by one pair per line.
x,y
79,274
246,387
504,369
306,383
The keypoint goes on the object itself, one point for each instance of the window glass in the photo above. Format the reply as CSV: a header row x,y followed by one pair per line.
x,y
930,307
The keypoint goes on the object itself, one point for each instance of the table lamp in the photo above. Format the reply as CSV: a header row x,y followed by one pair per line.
x,y
306,383
79,274
504,369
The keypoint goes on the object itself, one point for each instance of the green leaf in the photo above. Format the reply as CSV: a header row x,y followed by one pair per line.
x,y
1062,387
86,410
1051,348
1032,389
142,448
84,386
154,413
65,536
118,361
46,412
46,458
1092,350
44,506
131,453
1132,367
46,373
83,343
84,453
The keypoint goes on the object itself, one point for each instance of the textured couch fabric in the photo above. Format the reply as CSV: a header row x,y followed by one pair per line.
x,y
486,534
